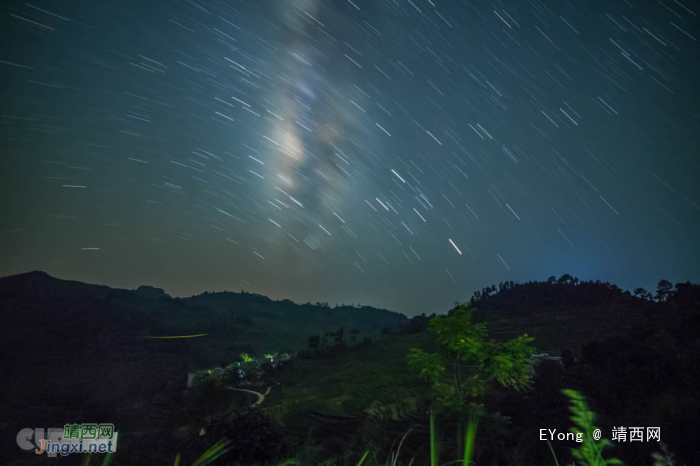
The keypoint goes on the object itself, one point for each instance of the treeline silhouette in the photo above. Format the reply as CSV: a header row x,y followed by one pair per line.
x,y
665,290
638,364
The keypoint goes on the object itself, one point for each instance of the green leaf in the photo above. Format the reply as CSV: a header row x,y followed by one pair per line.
x,y
590,451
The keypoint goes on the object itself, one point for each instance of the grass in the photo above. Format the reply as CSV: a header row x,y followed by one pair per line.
x,y
345,385
221,447
589,452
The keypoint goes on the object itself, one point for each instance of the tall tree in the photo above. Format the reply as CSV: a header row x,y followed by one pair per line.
x,y
473,361
642,293
664,290
464,343
565,279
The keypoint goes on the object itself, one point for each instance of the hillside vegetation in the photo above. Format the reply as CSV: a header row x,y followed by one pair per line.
x,y
345,392
75,351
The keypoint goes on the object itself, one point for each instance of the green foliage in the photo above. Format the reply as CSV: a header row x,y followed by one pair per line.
x,y
362,460
212,453
469,440
230,375
251,371
590,452
434,443
428,366
461,343
663,458
200,377
508,362
458,335
234,374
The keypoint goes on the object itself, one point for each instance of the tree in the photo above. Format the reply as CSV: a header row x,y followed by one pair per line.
x,y
566,279
314,341
353,335
664,290
464,343
474,363
416,325
642,293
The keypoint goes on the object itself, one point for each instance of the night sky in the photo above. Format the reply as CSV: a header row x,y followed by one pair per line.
x,y
393,153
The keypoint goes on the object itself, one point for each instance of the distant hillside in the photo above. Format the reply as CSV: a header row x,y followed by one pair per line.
x,y
635,358
72,351
564,313
560,315
41,313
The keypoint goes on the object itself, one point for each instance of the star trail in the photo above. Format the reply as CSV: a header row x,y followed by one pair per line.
x,y
394,153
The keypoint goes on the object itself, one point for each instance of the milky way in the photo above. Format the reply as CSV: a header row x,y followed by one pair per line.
x,y
393,153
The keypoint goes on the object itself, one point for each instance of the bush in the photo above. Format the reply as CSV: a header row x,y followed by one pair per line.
x,y
200,377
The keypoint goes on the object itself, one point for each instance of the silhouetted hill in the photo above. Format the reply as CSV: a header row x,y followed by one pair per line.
x,y
635,359
149,291
74,351
41,313
566,313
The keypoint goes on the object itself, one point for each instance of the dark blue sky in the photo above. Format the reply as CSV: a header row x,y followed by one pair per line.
x,y
399,153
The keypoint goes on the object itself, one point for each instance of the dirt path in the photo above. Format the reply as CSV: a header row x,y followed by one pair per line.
x,y
261,396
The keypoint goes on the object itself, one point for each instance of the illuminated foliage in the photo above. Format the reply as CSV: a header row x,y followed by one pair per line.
x,y
590,451
473,360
